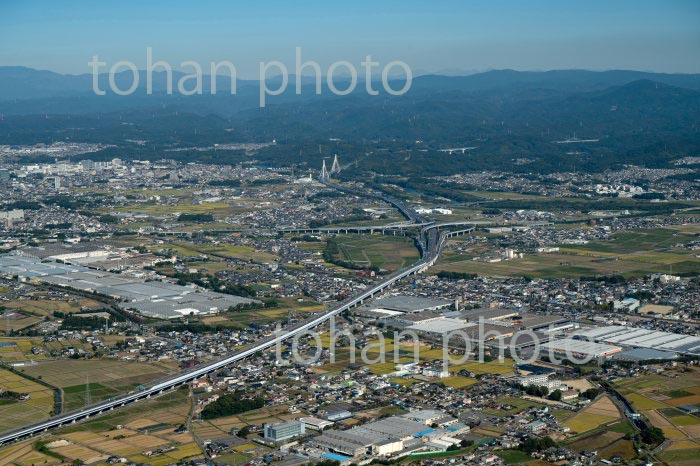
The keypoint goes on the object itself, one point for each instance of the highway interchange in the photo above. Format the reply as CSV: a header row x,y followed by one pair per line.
x,y
430,242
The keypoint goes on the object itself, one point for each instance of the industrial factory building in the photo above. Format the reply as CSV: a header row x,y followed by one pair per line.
x,y
390,436
643,338
580,349
163,300
408,304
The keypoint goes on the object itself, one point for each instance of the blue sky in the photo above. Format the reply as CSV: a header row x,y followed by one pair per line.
x,y
428,35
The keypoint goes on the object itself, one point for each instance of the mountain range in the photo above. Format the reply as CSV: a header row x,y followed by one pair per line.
x,y
636,117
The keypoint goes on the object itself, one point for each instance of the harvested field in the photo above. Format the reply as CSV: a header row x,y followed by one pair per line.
x,y
38,407
603,411
107,377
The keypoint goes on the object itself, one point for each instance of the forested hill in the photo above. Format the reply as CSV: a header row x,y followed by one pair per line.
x,y
514,119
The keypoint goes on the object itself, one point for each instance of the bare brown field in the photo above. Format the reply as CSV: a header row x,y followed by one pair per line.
x,y
686,400
579,384
692,431
17,322
23,454
604,407
657,420
79,452
217,428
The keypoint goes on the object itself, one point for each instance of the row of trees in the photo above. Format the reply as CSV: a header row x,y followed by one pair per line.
x,y
9,395
211,282
456,275
534,444
201,218
230,404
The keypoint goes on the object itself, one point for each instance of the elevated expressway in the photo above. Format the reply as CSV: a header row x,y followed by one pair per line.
x,y
430,240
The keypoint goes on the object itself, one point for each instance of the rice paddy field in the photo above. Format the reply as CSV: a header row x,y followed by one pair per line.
x,y
658,397
46,307
23,313
107,378
241,319
147,425
600,412
608,443
687,456
38,407
405,352
231,251
19,349
631,253
221,427
14,320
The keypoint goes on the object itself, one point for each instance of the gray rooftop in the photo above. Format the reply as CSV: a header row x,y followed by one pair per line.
x,y
406,303
157,299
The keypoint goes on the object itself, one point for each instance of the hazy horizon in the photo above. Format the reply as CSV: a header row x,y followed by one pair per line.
x,y
416,72
444,38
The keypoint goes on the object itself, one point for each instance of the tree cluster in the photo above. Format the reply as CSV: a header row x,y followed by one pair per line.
x,y
230,404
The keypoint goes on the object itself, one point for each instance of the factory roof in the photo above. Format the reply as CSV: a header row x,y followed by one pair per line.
x,y
405,303
644,354
158,299
643,338
444,325
488,313
541,321
390,427
581,347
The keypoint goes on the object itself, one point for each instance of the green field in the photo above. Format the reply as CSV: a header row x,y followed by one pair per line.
x,y
231,251
686,457
107,378
458,381
631,253
632,241
242,319
215,208
514,456
218,251
384,252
